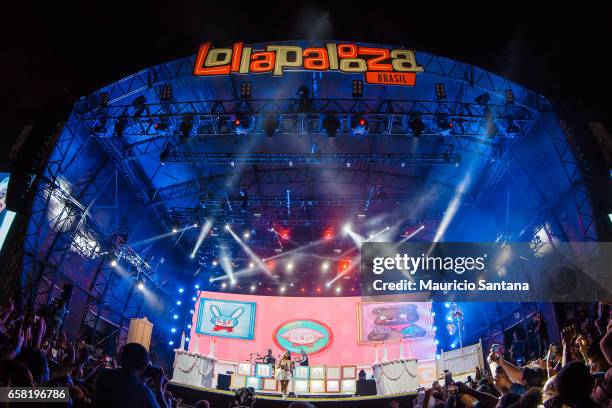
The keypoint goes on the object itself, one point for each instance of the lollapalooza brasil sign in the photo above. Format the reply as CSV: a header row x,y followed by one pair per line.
x,y
379,65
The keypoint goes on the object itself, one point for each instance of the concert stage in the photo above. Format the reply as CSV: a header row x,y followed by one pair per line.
x,y
218,398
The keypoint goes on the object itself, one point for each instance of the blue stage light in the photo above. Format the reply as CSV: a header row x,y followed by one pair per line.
x,y
189,326
170,342
194,298
449,318
433,314
436,342
196,286
173,330
178,302
434,328
175,317
181,290
186,338
191,311
437,356
447,305
453,345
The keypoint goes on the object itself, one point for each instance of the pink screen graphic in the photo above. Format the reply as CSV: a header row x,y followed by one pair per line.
x,y
350,322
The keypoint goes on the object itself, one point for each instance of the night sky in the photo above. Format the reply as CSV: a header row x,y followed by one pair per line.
x,y
53,53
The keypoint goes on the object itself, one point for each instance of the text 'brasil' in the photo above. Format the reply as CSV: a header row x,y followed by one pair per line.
x,y
378,64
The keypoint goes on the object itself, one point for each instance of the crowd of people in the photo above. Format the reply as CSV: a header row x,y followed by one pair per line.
x,y
35,352
576,374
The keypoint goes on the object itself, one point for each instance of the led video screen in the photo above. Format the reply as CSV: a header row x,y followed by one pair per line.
x,y
331,330
6,216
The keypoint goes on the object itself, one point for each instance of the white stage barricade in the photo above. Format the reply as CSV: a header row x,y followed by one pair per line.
x,y
398,376
193,369
461,361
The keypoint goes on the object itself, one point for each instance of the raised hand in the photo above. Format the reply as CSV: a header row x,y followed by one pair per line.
x,y
567,335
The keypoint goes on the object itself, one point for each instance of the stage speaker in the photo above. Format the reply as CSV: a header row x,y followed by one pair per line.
x,y
223,382
366,387
29,155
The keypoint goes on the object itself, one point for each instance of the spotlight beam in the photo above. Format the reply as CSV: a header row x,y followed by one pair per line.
x,y
249,251
203,233
341,274
358,239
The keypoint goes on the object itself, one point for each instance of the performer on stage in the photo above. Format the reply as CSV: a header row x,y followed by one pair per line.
x,y
303,360
269,358
285,372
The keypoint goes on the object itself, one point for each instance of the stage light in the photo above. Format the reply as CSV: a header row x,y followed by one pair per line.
x,y
191,311
328,233
178,302
444,124
482,99
175,316
232,283
173,330
181,290
282,289
453,345
447,305
270,265
434,328
175,230
251,265
416,126
166,93
436,342
437,356
245,90
192,256
512,129
331,125
223,285
141,286
304,102
449,318
189,326
210,280
194,299
346,228
357,88
338,289
440,91
285,233
242,124
253,288
289,267
344,264
433,314
114,262
246,235
509,97
215,263
270,125
185,128
325,266
197,286
187,339
359,125
227,227
171,342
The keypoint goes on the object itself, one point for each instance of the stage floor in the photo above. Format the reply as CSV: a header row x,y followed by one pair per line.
x,y
219,398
